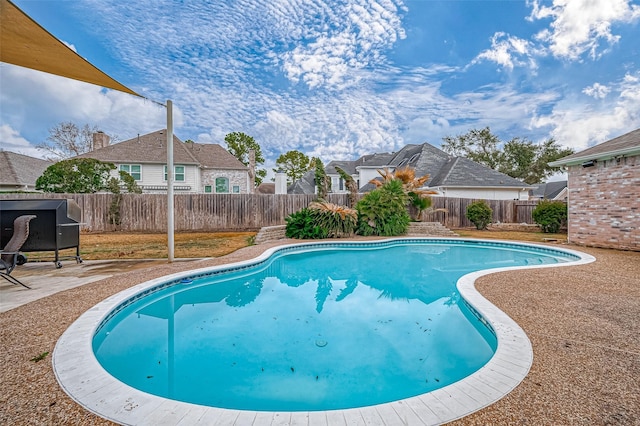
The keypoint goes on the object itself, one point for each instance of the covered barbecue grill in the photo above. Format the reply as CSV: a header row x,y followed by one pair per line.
x,y
56,226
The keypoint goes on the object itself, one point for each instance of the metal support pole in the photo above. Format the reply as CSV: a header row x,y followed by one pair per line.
x,y
170,178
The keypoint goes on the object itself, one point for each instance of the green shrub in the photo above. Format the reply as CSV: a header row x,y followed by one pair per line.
x,y
302,225
480,214
550,215
383,211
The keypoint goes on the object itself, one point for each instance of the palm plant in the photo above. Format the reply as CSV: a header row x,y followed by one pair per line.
x,y
411,185
336,220
383,211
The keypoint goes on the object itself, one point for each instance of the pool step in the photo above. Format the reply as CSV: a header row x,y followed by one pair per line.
x,y
430,229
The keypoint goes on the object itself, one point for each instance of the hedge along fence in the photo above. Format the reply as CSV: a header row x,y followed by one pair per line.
x,y
246,212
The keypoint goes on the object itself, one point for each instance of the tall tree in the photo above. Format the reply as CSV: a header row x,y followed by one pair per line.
x,y
323,182
519,158
529,162
239,145
480,146
294,163
67,139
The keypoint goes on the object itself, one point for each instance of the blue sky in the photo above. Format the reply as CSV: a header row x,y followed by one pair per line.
x,y
337,79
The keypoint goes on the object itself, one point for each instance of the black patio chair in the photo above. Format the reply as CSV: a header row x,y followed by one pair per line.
x,y
10,256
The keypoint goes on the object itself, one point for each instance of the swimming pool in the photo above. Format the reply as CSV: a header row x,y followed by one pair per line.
x,y
301,269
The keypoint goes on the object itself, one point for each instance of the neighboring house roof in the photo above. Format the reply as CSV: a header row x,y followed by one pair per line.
x,y
152,149
213,156
305,185
625,145
374,160
549,190
444,170
460,171
266,188
348,166
21,170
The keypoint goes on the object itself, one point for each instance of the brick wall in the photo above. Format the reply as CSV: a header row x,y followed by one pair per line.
x,y
604,204
236,178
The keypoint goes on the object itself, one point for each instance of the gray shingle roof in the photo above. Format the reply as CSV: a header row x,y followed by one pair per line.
x,y
442,168
347,166
305,185
460,171
549,190
213,156
152,149
628,144
374,160
20,170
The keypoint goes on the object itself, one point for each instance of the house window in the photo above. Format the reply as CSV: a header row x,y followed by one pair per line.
x,y
178,173
135,170
236,189
222,184
337,182
208,189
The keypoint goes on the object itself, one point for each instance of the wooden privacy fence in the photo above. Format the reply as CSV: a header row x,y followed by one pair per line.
x,y
242,212
504,211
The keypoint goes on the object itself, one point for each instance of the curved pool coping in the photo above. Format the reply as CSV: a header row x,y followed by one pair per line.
x,y
87,383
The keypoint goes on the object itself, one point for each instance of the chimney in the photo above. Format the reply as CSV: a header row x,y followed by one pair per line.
x,y
100,140
281,182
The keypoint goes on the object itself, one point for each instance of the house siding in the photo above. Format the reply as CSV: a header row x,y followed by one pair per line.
x,y
153,177
604,206
485,194
366,174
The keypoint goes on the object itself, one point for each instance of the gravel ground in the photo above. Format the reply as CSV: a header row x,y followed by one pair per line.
x,y
583,322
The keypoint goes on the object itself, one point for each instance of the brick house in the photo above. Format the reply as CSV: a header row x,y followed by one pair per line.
x,y
604,194
198,168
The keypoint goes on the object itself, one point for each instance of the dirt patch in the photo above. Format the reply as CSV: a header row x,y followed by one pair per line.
x,y
127,245
120,245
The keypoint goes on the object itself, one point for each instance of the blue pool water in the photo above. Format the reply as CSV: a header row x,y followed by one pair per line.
x,y
315,327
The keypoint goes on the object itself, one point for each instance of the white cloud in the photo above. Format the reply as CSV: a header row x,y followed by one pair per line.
x,y
597,91
580,26
13,142
353,39
579,125
33,100
509,51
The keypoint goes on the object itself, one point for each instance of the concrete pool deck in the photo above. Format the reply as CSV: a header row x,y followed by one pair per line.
x,y
581,320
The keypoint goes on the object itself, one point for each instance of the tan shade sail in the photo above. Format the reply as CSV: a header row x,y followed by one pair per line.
x,y
25,43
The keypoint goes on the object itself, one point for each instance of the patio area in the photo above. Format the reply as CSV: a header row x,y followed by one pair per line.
x,y
582,322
